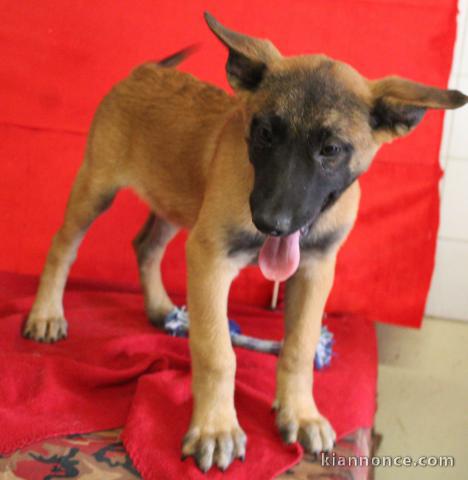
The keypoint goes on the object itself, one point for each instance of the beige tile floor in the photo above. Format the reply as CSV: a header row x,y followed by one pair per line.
x,y
423,397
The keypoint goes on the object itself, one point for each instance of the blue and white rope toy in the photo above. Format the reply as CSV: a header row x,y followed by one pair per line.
x,y
177,321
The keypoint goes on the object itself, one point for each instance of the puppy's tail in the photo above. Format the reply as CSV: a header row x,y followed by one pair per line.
x,y
178,57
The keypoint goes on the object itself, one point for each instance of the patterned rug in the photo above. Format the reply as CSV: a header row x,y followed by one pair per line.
x,y
101,456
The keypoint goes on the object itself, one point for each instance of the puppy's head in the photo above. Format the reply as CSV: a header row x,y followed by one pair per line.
x,y
314,125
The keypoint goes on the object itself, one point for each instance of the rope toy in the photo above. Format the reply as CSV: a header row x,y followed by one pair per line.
x,y
177,321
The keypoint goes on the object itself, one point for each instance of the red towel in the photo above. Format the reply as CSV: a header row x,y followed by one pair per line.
x,y
116,369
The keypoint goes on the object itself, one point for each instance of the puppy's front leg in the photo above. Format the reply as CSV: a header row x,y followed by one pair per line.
x,y
297,415
215,436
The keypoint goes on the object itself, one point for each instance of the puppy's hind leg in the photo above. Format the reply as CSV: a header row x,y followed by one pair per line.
x,y
149,246
92,193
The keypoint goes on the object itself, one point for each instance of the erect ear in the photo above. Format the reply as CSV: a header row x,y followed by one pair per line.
x,y
248,58
399,105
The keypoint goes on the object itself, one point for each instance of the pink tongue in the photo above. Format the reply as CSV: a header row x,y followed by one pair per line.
x,y
279,257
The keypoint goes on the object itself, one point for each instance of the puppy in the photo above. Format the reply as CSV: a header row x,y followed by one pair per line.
x,y
270,173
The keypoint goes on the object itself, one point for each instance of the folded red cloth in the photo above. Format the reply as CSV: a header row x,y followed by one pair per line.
x,y
116,369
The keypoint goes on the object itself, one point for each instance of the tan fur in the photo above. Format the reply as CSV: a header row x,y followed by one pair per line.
x,y
180,144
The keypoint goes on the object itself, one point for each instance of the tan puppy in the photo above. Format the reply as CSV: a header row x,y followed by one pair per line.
x,y
271,173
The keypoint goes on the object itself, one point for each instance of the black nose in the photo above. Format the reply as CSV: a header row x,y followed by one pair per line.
x,y
272,225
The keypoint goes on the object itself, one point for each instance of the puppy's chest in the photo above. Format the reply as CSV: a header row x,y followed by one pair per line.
x,y
248,244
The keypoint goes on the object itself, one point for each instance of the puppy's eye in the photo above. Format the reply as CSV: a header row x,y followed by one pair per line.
x,y
264,135
330,150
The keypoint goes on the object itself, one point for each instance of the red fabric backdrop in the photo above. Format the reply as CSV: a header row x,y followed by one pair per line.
x,y
58,61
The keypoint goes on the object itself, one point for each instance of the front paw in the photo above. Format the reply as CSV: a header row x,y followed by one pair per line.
x,y
45,328
303,423
212,443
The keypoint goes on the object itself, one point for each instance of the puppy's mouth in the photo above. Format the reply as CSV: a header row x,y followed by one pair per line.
x,y
279,256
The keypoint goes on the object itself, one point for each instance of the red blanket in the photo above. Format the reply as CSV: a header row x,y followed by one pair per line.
x,y
116,369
